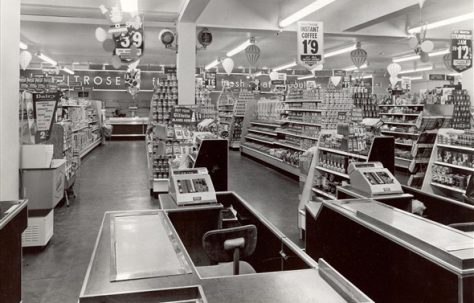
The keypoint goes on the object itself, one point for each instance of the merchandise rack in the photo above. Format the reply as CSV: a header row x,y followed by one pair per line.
x,y
377,152
449,167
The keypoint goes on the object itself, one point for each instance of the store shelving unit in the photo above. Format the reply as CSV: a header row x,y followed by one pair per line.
x,y
450,165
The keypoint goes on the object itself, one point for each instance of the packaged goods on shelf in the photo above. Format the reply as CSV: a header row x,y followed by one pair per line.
x,y
446,176
165,97
465,138
269,109
462,109
366,102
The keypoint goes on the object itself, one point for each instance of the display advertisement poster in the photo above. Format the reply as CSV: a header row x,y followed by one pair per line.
x,y
211,78
310,43
44,107
461,50
182,115
437,77
406,84
129,43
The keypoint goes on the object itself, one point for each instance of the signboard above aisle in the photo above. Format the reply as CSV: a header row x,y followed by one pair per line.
x,y
310,44
44,106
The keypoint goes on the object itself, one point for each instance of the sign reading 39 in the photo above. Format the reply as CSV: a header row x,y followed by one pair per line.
x,y
129,43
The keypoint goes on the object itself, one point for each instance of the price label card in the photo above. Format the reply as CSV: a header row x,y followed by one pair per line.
x,y
310,43
461,50
131,39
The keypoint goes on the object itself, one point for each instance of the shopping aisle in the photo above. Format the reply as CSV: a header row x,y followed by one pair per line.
x,y
113,177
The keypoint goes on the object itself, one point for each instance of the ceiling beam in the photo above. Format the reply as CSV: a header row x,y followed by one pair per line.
x,y
192,10
93,21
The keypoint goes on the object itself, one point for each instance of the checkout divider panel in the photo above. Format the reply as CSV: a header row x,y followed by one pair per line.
x,y
382,269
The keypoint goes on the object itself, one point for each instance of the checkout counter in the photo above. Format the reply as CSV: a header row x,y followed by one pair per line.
x,y
133,127
390,254
13,221
155,256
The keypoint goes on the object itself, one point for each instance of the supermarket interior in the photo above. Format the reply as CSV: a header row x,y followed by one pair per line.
x,y
236,151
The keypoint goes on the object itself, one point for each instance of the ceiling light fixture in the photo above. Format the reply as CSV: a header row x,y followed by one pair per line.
x,y
305,11
67,70
416,57
367,77
23,45
352,68
414,78
238,49
46,59
129,5
421,69
257,74
441,23
284,66
340,51
306,77
455,74
212,64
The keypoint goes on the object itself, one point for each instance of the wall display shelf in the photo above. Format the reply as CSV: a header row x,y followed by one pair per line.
x,y
165,97
366,102
333,154
451,164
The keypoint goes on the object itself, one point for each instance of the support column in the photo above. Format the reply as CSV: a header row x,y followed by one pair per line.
x,y
186,62
9,99
468,83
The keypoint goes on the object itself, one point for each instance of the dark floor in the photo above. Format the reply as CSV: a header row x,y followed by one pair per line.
x,y
114,177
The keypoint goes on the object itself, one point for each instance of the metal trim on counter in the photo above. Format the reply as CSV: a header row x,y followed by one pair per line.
x,y
12,211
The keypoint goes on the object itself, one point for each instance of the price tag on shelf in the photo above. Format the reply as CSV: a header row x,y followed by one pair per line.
x,y
129,44
461,50
310,43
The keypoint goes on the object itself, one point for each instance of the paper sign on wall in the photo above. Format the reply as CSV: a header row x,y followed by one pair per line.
x,y
310,43
461,50
44,107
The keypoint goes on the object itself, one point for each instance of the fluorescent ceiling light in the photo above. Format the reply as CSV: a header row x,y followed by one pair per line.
x,y
414,78
284,66
352,68
340,51
439,53
46,59
212,64
67,70
257,74
421,69
305,11
23,45
306,77
442,23
416,57
129,5
238,49
367,77
455,74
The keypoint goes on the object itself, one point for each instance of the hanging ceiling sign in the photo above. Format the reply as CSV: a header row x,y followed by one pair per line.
x,y
461,50
129,44
44,107
310,43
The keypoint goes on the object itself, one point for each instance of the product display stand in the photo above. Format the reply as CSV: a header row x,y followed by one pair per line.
x,y
328,169
450,165
225,108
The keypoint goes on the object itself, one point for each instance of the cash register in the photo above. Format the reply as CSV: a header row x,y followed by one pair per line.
x,y
191,186
373,179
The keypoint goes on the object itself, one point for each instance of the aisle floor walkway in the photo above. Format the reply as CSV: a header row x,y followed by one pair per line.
x,y
113,177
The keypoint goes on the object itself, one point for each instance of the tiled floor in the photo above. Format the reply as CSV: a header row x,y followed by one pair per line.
x,y
113,177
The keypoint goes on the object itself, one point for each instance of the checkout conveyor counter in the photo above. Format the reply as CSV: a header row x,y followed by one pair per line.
x,y
13,221
154,256
390,254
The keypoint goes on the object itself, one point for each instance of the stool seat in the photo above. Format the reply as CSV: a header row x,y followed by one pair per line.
x,y
224,269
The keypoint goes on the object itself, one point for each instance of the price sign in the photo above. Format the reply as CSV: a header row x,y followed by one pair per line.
x,y
131,39
310,43
44,108
211,78
182,115
461,50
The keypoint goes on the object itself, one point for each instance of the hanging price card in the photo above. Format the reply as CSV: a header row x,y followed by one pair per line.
x,y
310,43
129,44
461,50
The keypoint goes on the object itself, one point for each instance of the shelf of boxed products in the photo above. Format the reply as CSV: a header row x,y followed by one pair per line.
x,y
285,160
334,153
451,164
165,97
366,102
262,131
